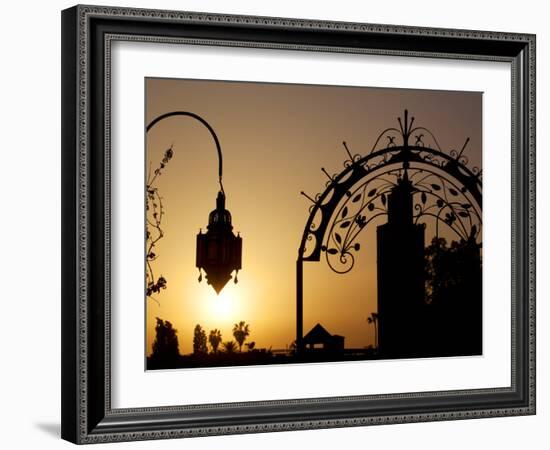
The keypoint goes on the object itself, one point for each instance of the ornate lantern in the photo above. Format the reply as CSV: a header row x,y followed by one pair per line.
x,y
219,250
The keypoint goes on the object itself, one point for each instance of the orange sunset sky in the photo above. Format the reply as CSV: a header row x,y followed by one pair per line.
x,y
275,138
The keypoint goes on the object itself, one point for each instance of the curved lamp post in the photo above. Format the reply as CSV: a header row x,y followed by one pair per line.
x,y
219,251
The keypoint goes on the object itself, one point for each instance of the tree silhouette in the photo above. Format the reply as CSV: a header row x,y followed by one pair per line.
x,y
241,331
453,320
373,319
229,346
215,337
199,341
165,345
448,267
154,233
250,345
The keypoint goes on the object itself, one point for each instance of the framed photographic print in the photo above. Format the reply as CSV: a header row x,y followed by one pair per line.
x,y
334,219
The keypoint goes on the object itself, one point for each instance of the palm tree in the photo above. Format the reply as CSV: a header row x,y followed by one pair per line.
x,y
241,331
373,319
229,346
215,337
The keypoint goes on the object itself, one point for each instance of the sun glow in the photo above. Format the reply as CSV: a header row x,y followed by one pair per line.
x,y
225,306
222,306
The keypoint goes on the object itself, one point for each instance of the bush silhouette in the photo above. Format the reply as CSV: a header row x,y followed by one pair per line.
x,y
229,347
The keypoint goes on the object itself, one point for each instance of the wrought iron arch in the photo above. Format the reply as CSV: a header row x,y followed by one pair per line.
x,y
446,191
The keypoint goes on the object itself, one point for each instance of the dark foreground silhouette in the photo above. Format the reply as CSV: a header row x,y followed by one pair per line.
x,y
320,345
258,357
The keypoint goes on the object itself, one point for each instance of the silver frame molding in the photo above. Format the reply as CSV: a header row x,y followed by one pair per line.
x,y
87,35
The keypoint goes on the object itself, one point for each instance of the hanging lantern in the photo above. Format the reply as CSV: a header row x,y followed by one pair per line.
x,y
219,250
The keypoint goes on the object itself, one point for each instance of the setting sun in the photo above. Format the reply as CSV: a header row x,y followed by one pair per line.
x,y
224,306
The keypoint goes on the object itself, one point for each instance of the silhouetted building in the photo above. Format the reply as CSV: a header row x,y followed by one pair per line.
x,y
319,336
401,281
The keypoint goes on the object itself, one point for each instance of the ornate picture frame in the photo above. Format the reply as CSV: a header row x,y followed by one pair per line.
x,y
88,415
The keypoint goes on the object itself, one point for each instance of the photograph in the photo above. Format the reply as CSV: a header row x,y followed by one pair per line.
x,y
300,223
